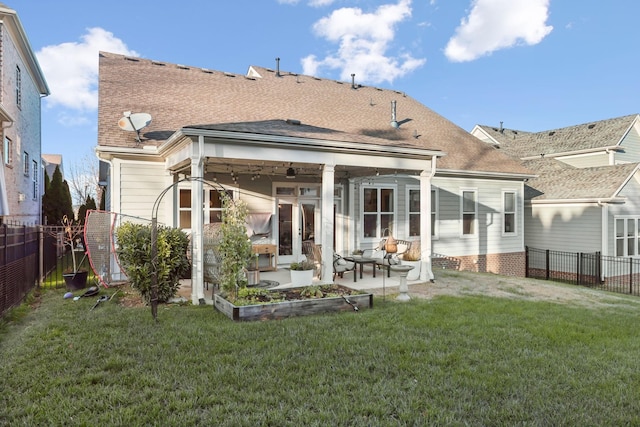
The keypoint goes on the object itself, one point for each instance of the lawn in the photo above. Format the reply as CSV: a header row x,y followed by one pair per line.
x,y
451,360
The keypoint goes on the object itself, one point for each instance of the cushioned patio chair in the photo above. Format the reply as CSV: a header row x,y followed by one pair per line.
x,y
384,259
342,265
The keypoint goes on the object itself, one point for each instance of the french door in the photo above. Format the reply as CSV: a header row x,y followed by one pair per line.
x,y
298,220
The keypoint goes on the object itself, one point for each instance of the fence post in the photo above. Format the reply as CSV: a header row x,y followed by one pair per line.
x,y
578,267
40,255
630,276
526,261
599,267
547,264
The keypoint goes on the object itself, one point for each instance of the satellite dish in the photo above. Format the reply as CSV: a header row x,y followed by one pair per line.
x,y
133,122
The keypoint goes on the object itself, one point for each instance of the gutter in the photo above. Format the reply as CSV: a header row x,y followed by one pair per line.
x,y
598,201
480,174
572,153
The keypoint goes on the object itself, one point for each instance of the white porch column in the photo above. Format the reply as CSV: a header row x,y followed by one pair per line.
x,y
327,223
197,272
425,222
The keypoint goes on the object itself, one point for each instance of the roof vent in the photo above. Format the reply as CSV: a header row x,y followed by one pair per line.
x,y
394,121
278,67
293,122
591,126
552,133
353,81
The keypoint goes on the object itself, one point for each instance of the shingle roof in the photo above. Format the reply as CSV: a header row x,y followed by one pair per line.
x,y
179,96
520,144
560,181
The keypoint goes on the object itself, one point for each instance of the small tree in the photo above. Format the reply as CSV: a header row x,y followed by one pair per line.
x,y
235,246
56,201
134,242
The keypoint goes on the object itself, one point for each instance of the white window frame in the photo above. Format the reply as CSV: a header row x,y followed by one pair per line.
x,y
207,212
514,212
463,213
624,235
434,211
394,212
8,151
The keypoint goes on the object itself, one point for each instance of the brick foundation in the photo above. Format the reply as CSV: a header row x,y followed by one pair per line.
x,y
508,264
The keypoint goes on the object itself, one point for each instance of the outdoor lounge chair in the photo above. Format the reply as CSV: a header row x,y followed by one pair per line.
x,y
384,259
342,265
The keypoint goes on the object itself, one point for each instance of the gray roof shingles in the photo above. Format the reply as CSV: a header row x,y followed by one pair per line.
x,y
178,97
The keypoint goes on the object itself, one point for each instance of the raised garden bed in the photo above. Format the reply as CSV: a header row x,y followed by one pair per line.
x,y
283,303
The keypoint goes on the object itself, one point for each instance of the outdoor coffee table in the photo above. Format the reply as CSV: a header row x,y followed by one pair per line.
x,y
360,261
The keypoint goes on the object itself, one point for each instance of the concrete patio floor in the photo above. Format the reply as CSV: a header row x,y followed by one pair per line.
x,y
282,276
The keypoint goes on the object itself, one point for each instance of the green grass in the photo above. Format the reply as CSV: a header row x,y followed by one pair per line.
x,y
447,361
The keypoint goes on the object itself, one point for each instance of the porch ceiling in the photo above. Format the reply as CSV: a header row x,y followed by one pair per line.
x,y
259,169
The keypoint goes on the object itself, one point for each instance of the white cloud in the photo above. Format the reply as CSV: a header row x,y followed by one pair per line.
x,y
320,3
364,40
71,69
498,24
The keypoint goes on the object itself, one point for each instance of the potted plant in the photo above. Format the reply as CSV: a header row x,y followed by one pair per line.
x,y
302,273
75,278
412,257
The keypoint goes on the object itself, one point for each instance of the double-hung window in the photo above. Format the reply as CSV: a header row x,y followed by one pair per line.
x,y
414,211
25,163
212,203
469,212
378,206
7,149
627,236
509,212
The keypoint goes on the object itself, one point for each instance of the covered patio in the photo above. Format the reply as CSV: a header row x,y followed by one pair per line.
x,y
260,159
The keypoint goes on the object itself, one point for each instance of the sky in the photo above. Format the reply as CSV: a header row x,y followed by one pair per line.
x,y
533,65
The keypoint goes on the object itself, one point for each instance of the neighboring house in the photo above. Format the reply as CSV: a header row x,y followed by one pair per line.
x,y
586,197
23,86
315,159
50,162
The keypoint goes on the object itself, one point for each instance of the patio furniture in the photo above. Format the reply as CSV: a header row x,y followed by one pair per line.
x,y
384,259
313,253
361,261
343,265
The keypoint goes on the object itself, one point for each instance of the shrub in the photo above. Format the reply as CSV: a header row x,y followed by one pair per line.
x,y
134,251
235,246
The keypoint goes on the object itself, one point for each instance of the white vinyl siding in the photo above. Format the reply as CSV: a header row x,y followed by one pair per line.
x,y
143,183
587,160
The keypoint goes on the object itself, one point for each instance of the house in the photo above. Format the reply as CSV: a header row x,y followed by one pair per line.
x,y
586,197
335,162
23,86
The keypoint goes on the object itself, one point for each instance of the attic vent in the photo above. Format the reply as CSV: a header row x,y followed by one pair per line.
x,y
130,58
249,78
204,70
229,74
552,133
379,89
591,126
515,132
339,83
317,78
293,122
182,67
158,63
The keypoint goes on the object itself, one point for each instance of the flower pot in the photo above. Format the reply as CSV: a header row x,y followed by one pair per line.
x,y
76,281
415,273
301,277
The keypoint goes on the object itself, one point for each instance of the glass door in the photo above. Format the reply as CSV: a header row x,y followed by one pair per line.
x,y
297,221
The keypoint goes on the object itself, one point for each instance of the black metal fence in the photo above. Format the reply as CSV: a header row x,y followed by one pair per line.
x,y
615,274
19,263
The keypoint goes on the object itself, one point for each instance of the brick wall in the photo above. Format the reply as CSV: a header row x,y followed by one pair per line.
x,y
509,264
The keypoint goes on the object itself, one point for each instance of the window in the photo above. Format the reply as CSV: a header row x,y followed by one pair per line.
x,y
7,150
34,179
414,212
627,238
18,87
469,212
211,199
25,163
509,212
378,211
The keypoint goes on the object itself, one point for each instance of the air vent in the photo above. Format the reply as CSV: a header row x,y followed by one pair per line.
x,y
158,63
130,58
249,78
229,74
552,133
591,126
182,67
293,122
204,70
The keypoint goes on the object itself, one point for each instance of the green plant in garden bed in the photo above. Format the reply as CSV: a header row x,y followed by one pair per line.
x,y
252,296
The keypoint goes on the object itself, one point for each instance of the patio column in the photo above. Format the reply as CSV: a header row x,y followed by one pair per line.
x,y
327,222
197,275
425,222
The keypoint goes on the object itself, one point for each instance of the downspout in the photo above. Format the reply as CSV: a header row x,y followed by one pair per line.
x,y
604,239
